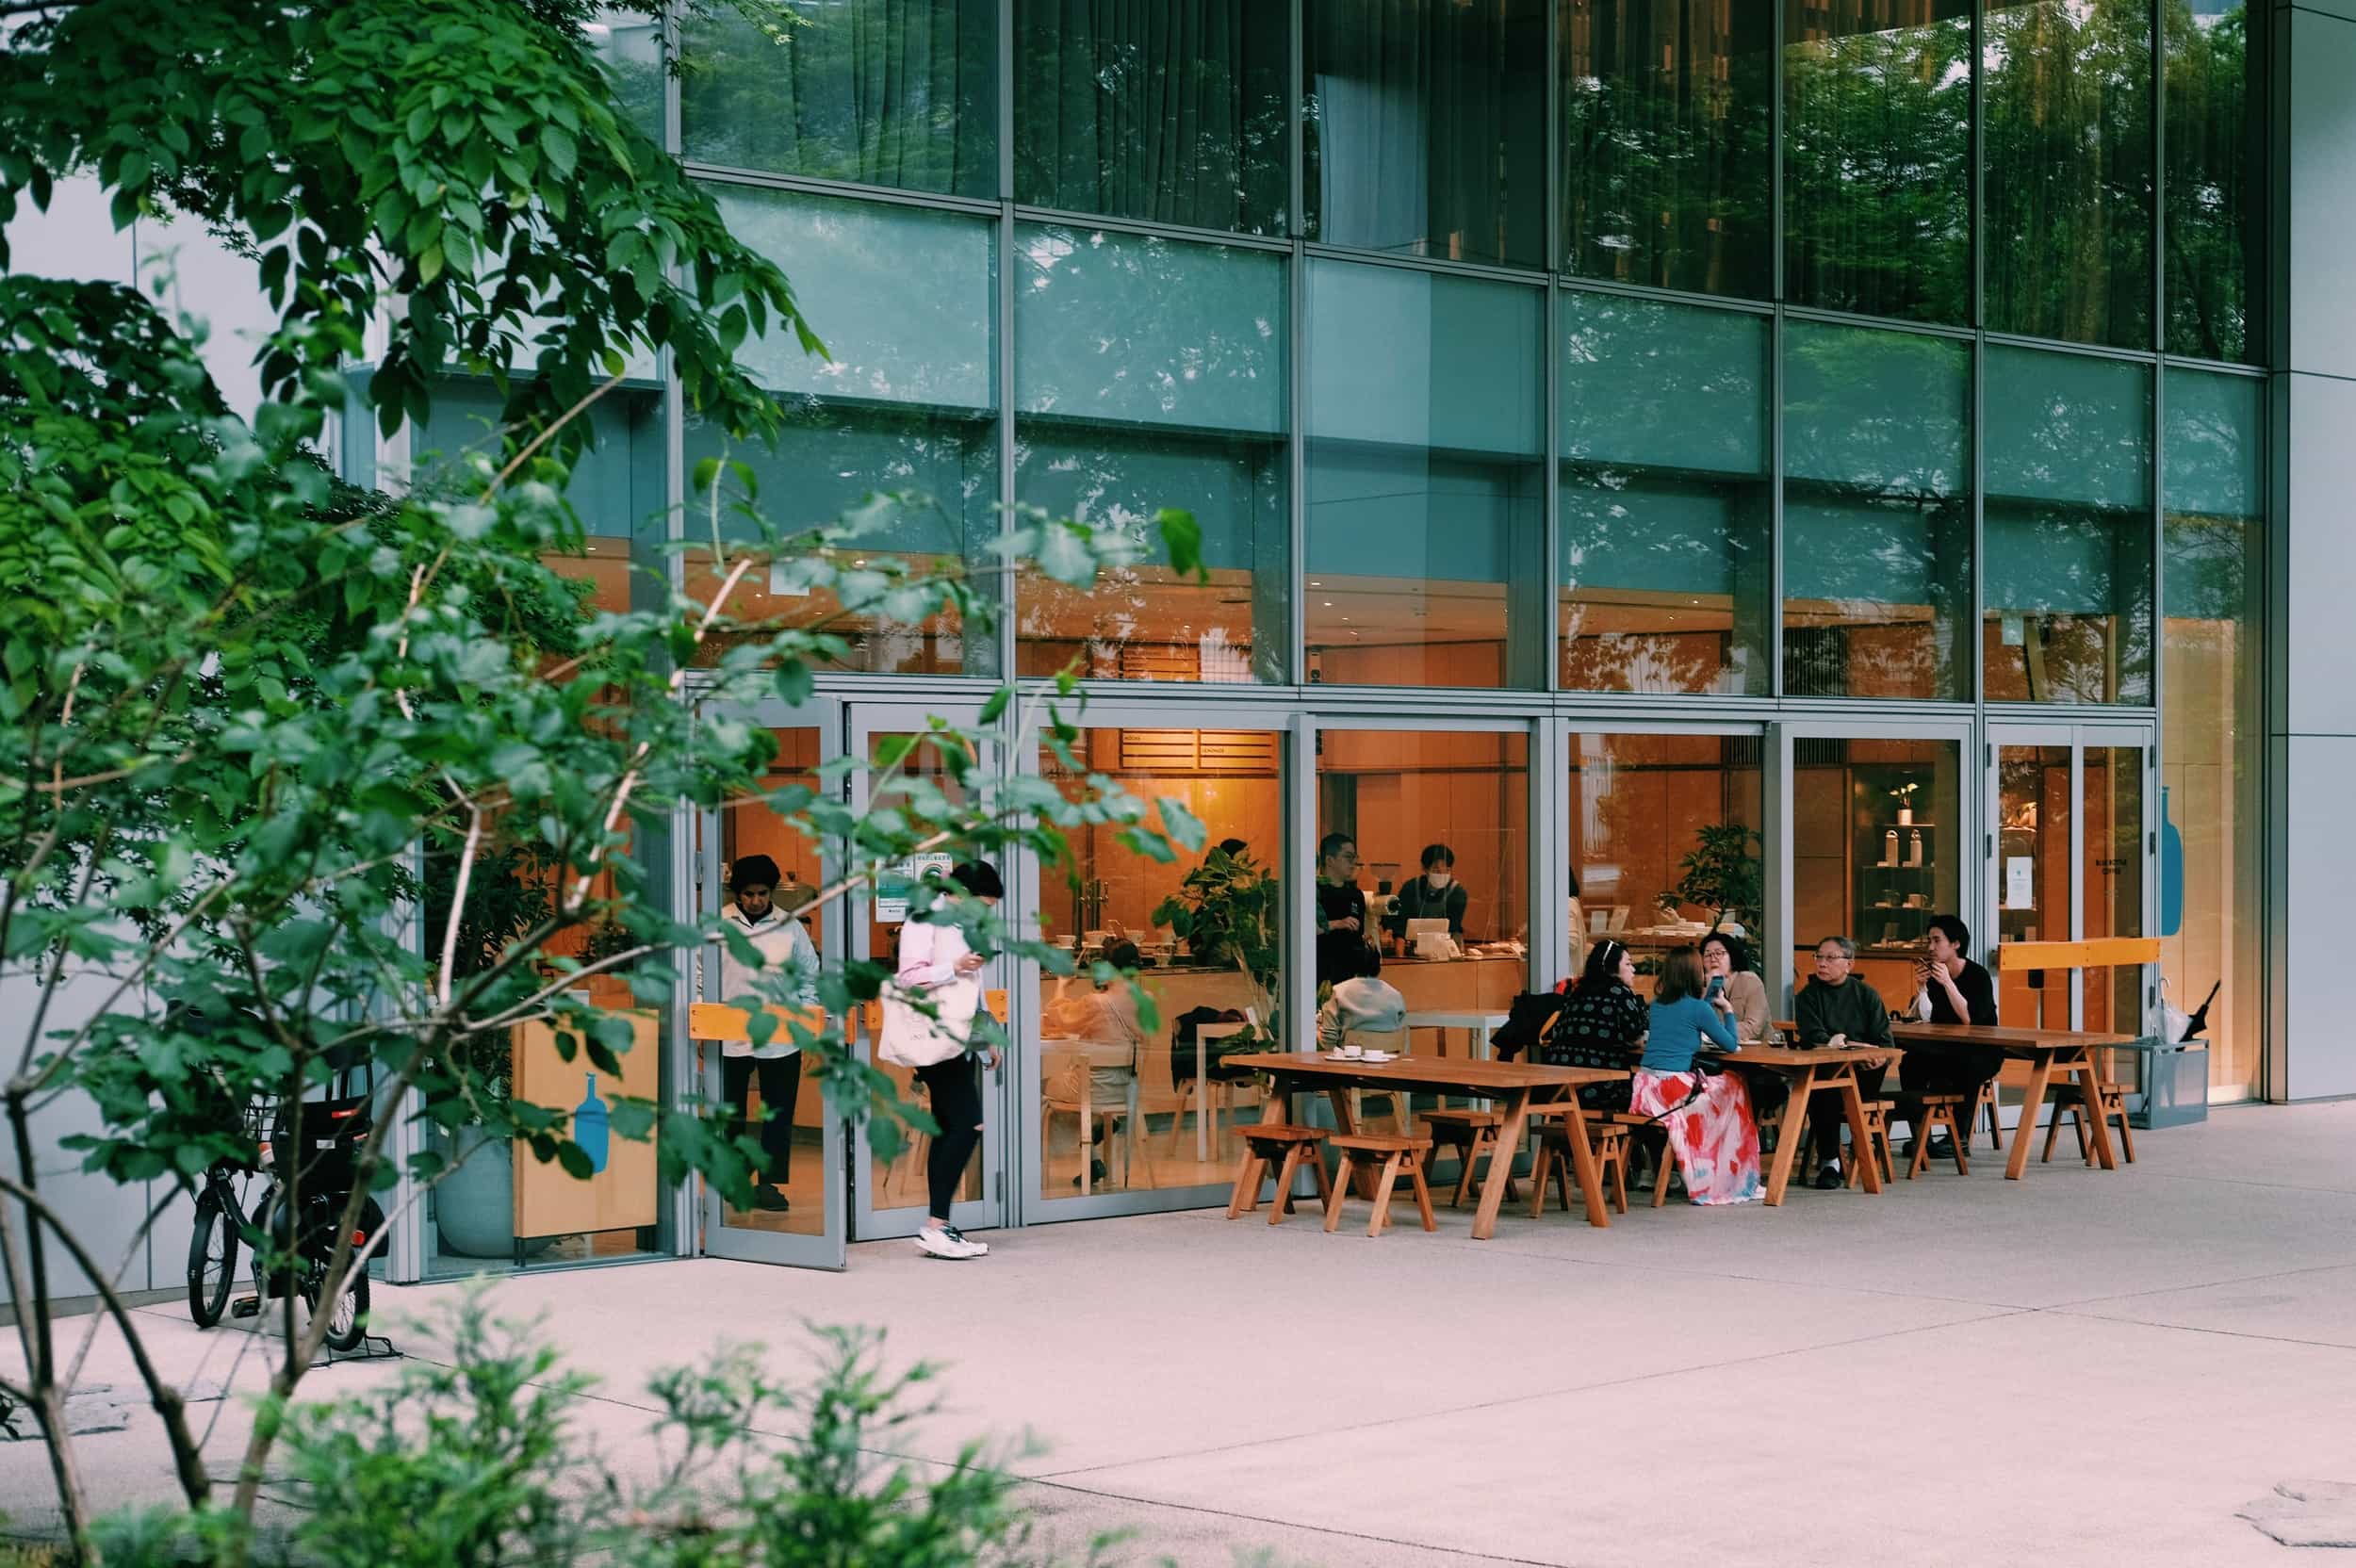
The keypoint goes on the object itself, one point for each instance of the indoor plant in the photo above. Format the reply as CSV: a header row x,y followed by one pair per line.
x,y
1722,873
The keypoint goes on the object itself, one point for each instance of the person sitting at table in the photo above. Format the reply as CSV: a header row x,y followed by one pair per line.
x,y
1103,1025
1727,960
1601,1024
1362,999
1706,1116
1341,910
1951,988
1434,896
1837,1009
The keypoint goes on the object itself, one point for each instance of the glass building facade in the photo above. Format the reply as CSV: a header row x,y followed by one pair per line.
x,y
1829,433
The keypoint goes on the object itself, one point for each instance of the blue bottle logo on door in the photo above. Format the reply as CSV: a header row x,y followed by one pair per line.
x,y
592,1128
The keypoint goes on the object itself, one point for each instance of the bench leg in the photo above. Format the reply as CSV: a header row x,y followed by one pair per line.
x,y
1423,1193
1282,1203
1246,1195
1333,1198
1382,1197
2126,1137
1541,1163
1962,1141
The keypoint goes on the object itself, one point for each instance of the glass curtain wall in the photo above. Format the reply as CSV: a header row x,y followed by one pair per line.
x,y
1877,851
2066,528
2212,729
1173,112
1877,158
1151,373
1668,144
1423,127
1664,841
890,433
891,93
2216,142
1667,510
1425,460
1877,512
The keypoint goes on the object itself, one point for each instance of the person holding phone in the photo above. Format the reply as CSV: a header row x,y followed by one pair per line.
x,y
1950,988
1727,960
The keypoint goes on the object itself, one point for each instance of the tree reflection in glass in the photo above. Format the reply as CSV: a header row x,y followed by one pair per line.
x,y
2216,152
1149,373
1666,584
1877,512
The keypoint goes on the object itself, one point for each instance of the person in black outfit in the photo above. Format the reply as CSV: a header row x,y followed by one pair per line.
x,y
1341,909
1434,896
1602,1024
1951,988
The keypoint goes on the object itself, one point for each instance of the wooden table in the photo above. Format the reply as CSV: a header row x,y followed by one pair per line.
x,y
1518,1084
2047,1051
1813,1070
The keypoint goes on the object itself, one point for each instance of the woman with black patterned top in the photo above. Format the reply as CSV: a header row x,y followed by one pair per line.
x,y
1602,1024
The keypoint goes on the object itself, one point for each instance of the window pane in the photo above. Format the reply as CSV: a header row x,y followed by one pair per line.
x,y
2114,886
900,406
1667,506
1149,373
1877,151
632,47
1174,112
1423,127
2035,816
2068,573
1100,1064
891,93
1877,513
2211,729
1877,851
1667,158
2067,143
2215,157
1425,462
1639,806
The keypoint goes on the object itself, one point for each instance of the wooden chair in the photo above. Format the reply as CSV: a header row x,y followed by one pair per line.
x,y
1272,1144
1610,1142
2069,1101
1396,1152
1472,1134
1928,1113
1877,1142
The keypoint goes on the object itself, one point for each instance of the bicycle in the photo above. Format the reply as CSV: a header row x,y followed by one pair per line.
x,y
222,1214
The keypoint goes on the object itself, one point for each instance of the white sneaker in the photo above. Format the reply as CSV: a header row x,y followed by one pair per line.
x,y
947,1241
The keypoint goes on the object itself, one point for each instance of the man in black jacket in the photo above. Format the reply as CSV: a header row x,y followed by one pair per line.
x,y
1951,988
1837,1009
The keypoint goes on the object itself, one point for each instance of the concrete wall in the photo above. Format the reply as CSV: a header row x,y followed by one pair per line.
x,y
2312,699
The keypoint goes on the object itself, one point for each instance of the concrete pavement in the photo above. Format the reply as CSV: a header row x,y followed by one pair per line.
x,y
2082,1367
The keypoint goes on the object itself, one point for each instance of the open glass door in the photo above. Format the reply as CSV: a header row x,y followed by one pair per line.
x,y
889,1198
799,1216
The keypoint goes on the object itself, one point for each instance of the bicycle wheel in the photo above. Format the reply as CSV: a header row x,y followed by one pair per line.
x,y
212,1258
346,1320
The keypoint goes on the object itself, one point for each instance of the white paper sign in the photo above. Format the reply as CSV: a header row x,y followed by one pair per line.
x,y
894,885
2020,892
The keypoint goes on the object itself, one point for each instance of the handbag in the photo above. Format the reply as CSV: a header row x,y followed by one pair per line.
x,y
910,1038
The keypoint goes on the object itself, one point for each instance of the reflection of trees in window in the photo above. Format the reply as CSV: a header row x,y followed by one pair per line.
x,y
2215,155
1877,152
2066,142
1667,155
889,92
1423,127
1173,112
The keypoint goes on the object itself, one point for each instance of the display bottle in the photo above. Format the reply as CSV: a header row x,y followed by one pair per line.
x,y
1890,847
593,1128
1914,847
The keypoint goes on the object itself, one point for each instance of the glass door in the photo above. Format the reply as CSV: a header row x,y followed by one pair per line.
x,y
889,1198
757,869
1126,1110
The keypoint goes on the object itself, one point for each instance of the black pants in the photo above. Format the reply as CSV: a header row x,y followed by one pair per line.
x,y
781,1080
1951,1069
954,1090
1827,1115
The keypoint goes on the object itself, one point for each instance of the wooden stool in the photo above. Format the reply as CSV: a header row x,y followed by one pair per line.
x,y
1930,1112
2070,1099
1273,1144
1876,1143
1472,1134
1395,1150
1988,1103
1608,1139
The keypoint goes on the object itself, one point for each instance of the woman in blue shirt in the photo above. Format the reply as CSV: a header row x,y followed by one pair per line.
x,y
1708,1117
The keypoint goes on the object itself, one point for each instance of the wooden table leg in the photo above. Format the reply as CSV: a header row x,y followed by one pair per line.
x,y
1861,1141
1510,1134
2088,1072
1791,1127
1583,1165
2032,1101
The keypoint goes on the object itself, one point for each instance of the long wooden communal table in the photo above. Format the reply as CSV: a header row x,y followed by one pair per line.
x,y
2047,1051
1517,1085
1814,1070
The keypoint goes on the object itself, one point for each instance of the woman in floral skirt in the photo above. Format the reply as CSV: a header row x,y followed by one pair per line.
x,y
1708,1117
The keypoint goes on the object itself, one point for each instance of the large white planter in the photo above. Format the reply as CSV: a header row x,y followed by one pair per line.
x,y
474,1207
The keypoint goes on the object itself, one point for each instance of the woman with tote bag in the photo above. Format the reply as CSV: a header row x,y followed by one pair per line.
x,y
936,964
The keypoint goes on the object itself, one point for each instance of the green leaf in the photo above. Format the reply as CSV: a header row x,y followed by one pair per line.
x,y
1182,536
1182,824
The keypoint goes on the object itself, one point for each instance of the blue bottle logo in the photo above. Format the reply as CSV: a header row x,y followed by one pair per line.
x,y
592,1128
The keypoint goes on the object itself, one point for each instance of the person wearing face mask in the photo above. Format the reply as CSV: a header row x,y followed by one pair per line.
x,y
1434,896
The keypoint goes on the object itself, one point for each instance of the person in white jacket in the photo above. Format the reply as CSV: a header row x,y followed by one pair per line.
x,y
777,1065
933,958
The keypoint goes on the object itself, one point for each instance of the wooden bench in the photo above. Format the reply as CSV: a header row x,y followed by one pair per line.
x,y
1930,1112
1608,1138
2110,1094
1395,1150
1472,1134
1273,1144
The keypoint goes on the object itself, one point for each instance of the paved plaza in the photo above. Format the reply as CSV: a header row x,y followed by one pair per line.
x,y
2080,1367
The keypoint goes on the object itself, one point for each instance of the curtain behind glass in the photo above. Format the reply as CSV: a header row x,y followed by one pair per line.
x,y
889,92
1171,110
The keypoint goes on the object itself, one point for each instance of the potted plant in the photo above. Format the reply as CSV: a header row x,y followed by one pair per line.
x,y
1230,911
1722,873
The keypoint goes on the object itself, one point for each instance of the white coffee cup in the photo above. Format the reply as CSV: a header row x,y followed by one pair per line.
x,y
1350,1053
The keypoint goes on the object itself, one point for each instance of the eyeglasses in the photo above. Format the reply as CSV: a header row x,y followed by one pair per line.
x,y
1833,958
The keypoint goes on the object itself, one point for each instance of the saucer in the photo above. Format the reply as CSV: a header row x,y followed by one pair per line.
x,y
1378,1056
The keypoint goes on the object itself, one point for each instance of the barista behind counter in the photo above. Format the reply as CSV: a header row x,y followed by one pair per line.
x,y
1434,896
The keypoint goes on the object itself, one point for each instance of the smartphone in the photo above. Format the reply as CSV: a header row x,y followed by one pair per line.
x,y
1717,984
